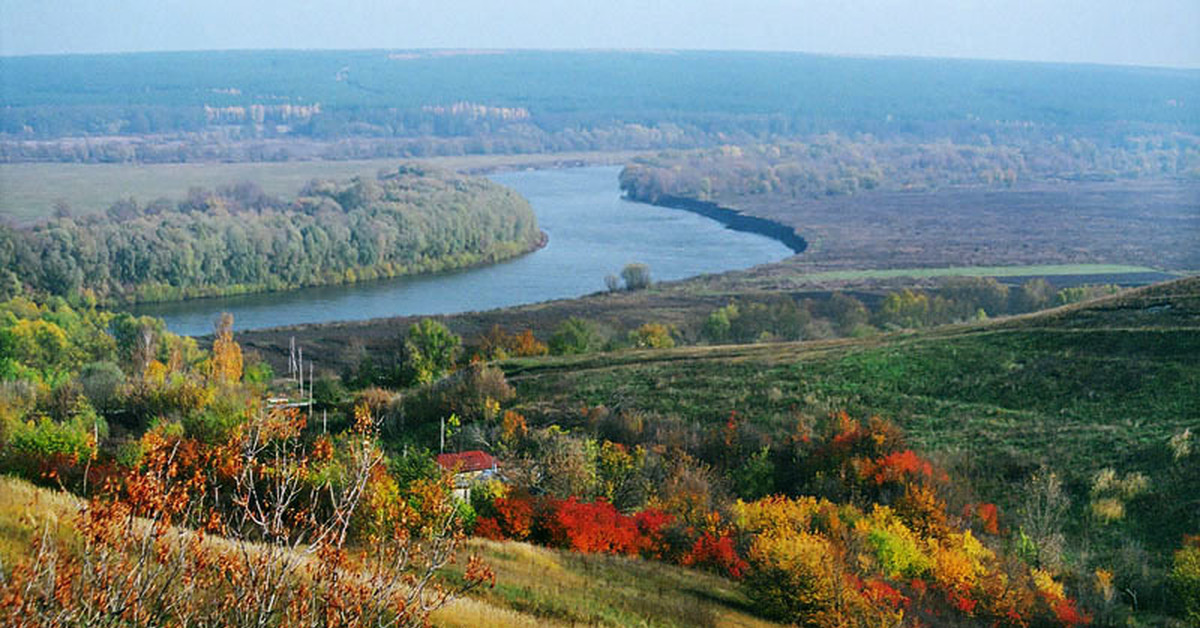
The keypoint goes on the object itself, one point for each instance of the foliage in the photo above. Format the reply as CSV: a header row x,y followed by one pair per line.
x,y
226,360
832,165
636,276
761,319
229,242
497,344
248,532
1185,579
574,336
430,351
473,393
652,336
715,551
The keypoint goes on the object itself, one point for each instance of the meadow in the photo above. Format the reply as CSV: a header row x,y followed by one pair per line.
x,y
30,192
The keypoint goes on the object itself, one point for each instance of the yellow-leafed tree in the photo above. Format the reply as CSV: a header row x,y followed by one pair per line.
x,y
226,361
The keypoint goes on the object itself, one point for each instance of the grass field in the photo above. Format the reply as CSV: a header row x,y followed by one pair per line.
x,y
30,191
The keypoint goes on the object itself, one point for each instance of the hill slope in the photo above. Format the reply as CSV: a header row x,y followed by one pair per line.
x,y
535,586
1080,388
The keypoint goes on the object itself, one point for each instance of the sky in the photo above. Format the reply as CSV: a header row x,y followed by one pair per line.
x,y
1121,32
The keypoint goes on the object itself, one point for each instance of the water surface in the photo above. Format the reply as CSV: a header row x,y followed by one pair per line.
x,y
593,233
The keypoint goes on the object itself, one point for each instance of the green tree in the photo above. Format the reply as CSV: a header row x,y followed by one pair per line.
x,y
846,312
573,336
718,326
430,351
907,308
1031,296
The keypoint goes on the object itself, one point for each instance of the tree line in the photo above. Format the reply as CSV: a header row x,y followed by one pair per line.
x,y
238,239
834,165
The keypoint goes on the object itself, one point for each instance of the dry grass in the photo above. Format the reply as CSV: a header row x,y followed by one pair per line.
x,y
546,587
25,510
535,586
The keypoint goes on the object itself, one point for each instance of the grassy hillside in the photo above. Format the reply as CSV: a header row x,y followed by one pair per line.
x,y
1079,388
535,586
540,586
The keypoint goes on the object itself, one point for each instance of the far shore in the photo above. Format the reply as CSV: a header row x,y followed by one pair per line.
x,y
33,190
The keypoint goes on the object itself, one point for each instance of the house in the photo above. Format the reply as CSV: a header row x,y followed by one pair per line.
x,y
468,468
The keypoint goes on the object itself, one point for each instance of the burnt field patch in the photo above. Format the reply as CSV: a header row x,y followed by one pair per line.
x,y
1153,223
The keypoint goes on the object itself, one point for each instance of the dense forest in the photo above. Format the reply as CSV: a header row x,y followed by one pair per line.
x,y
278,105
832,165
237,239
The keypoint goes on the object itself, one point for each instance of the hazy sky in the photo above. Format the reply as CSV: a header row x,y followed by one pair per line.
x,y
1138,32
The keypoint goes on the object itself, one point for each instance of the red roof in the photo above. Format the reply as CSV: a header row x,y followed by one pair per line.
x,y
466,461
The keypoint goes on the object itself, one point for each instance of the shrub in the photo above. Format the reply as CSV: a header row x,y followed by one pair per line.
x,y
636,276
574,336
45,449
471,393
716,552
1185,579
145,556
652,336
101,383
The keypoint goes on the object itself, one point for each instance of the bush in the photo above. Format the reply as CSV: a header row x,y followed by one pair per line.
x,y
574,336
43,448
328,392
636,276
652,336
474,393
258,374
101,383
1185,580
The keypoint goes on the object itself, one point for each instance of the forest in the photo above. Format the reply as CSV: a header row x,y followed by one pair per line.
x,y
280,105
831,165
237,239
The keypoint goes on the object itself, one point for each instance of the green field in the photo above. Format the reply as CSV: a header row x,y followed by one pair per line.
x,y
30,191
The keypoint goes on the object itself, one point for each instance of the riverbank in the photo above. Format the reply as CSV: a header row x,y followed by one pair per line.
x,y
735,220
149,295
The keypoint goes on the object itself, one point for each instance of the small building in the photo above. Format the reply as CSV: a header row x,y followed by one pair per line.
x,y
468,468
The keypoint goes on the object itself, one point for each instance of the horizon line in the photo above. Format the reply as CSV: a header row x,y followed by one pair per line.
x,y
471,50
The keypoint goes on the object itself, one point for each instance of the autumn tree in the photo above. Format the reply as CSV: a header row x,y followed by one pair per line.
x,y
652,336
226,362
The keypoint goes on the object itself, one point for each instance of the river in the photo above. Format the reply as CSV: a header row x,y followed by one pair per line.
x,y
593,232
